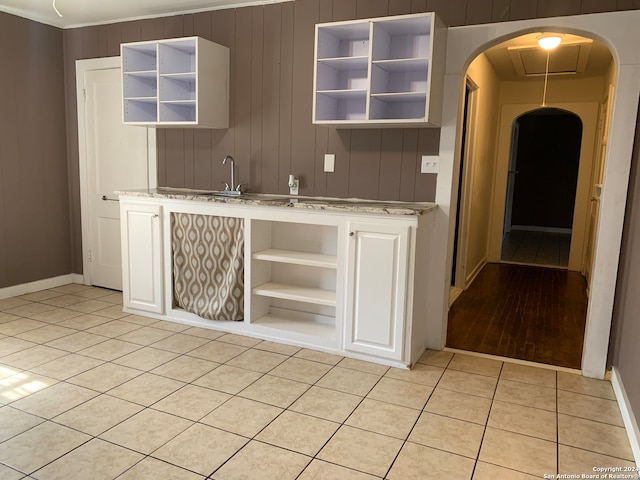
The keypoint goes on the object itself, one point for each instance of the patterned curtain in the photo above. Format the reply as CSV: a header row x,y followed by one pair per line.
x,y
208,265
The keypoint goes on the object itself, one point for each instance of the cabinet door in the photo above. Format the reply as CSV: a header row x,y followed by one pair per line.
x,y
142,257
376,289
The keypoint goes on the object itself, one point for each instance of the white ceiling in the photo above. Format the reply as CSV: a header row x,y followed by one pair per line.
x,y
77,13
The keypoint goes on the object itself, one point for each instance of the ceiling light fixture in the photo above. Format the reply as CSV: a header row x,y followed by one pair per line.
x,y
56,9
548,42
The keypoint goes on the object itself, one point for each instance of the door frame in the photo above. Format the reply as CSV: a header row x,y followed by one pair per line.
x,y
82,67
616,30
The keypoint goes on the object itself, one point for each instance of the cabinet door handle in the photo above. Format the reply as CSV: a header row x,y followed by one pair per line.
x,y
351,234
155,215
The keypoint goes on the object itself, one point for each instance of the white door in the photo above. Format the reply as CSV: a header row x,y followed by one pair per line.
x,y
116,157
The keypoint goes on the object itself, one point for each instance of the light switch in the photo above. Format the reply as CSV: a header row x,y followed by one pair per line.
x,y
429,164
329,162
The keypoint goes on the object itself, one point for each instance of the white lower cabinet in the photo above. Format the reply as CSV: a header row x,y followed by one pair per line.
x,y
143,279
376,289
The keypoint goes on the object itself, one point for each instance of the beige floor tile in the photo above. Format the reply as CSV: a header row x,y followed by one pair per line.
x,y
104,377
518,452
240,340
349,381
113,312
7,317
259,461
459,405
477,365
56,316
591,408
77,341
152,469
423,374
6,371
46,334
576,461
207,333
586,386
97,459
228,379
14,422
279,392
109,349
326,403
594,436
146,389
11,302
530,421
115,298
528,374
66,367
398,392
70,288
147,358
361,450
20,325
63,300
316,356
185,369
159,428
94,293
486,471
301,370
39,296
140,320
144,335
113,328
180,343
449,434
257,360
191,402
297,432
84,321
54,400
29,309
98,414
200,448
319,470
89,306
526,394
362,366
470,383
277,347
22,384
216,351
33,357
417,461
170,326
38,446
242,416
7,473
11,345
384,418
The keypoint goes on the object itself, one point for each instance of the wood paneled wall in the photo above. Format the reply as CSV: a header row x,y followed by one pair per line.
x,y
34,202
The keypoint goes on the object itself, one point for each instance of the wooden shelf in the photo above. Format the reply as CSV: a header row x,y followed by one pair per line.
x,y
316,296
316,329
297,258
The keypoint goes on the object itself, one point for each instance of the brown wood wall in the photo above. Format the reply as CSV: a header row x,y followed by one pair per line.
x,y
34,202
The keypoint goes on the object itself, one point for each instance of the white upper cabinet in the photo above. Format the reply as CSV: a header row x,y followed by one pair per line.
x,y
380,72
179,82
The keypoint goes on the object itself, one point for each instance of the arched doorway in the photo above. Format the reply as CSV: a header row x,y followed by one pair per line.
x,y
541,188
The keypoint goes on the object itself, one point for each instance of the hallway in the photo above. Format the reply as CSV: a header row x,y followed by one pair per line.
x,y
528,313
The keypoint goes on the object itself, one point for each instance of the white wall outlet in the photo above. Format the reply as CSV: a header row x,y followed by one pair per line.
x,y
329,162
429,164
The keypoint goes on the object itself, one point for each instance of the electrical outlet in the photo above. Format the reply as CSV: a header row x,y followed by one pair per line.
x,y
429,164
329,162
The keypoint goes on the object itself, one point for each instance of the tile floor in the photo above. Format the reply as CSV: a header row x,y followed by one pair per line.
x,y
88,392
536,248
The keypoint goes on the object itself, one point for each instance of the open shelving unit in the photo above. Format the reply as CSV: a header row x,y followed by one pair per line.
x,y
178,82
294,277
376,72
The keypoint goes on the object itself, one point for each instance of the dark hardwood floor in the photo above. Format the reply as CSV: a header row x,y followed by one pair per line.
x,y
525,312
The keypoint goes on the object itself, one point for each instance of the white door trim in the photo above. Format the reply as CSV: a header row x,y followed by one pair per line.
x,y
83,66
619,32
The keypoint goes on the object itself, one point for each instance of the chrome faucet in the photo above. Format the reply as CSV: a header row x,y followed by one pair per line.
x,y
232,189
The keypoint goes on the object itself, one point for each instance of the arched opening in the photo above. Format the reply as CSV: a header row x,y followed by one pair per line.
x,y
562,110
541,188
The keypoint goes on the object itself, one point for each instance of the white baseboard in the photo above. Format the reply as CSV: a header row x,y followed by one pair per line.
x,y
472,276
39,285
630,423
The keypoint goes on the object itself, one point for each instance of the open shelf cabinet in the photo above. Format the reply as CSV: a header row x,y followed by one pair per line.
x,y
178,82
377,72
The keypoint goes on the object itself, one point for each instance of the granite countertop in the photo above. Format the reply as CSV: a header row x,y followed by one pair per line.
x,y
289,201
